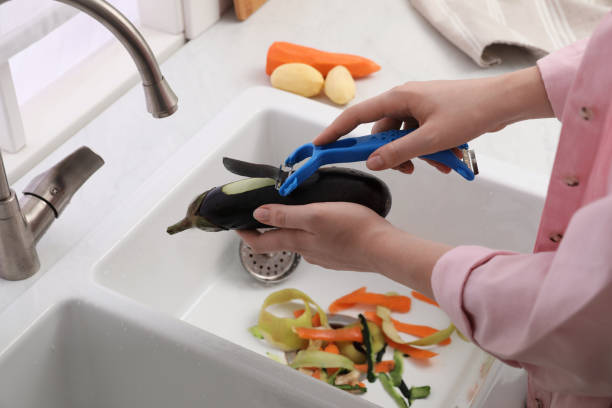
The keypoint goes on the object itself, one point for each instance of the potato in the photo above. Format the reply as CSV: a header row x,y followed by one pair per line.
x,y
340,85
298,78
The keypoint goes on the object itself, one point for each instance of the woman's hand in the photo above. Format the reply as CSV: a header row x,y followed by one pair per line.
x,y
448,114
341,236
347,236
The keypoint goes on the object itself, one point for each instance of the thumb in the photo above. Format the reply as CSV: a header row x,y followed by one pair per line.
x,y
285,216
416,143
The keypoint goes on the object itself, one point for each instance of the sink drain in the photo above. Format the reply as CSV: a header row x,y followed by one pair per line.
x,y
272,267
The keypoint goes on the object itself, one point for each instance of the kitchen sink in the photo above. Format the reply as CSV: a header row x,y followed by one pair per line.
x,y
197,277
78,355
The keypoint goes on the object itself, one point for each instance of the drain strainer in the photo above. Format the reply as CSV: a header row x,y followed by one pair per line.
x,y
272,267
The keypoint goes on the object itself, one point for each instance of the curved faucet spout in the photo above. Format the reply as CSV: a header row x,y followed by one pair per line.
x,y
48,194
161,100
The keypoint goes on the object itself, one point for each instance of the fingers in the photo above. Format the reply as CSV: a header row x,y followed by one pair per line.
x,y
401,150
272,241
441,167
386,124
365,112
287,216
410,123
406,167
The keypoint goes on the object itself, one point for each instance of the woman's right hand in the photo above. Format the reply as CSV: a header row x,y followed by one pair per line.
x,y
447,113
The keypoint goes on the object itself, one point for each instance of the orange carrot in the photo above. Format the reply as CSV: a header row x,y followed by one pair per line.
x,y
382,367
344,334
424,298
315,321
412,329
362,385
406,349
344,299
332,348
396,303
413,352
373,317
281,53
317,373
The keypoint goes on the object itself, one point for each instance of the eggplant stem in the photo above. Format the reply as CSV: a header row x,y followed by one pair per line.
x,y
182,225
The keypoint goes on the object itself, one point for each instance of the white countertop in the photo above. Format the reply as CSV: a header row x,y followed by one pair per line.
x,y
213,69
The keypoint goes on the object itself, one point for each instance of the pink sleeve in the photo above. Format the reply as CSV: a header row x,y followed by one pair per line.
x,y
558,71
549,311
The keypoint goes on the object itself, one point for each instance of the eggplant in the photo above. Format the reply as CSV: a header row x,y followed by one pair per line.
x,y
231,206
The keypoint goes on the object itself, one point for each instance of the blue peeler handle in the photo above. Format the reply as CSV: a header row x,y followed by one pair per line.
x,y
355,149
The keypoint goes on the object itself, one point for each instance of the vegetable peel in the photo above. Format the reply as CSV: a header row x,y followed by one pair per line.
x,y
322,359
397,303
412,329
391,332
278,331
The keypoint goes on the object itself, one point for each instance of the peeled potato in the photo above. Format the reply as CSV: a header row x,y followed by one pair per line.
x,y
339,85
298,78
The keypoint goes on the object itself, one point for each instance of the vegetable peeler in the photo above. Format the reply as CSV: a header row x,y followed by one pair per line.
x,y
354,149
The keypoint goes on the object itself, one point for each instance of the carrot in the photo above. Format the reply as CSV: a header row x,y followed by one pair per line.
x,y
412,329
373,317
406,349
381,367
362,385
315,321
344,300
281,53
396,303
413,352
317,373
344,334
332,348
424,298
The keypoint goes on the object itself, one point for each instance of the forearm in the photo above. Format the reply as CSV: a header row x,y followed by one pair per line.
x,y
407,259
521,95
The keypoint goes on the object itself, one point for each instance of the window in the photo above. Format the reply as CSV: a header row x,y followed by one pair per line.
x,y
47,47
62,49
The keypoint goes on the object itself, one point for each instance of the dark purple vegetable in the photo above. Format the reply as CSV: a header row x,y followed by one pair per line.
x,y
231,206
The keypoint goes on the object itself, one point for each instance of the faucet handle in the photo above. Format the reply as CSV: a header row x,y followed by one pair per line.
x,y
57,185
21,226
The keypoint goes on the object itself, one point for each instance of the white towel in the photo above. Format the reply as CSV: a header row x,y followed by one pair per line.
x,y
541,26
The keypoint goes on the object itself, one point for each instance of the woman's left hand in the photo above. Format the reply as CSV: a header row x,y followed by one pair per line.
x,y
347,236
337,235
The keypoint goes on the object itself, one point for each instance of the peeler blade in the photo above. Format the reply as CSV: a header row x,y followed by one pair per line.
x,y
247,169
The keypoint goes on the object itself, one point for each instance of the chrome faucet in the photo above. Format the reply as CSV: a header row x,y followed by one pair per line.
x,y
21,226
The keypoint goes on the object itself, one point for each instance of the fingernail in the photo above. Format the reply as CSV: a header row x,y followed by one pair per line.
x,y
375,163
261,214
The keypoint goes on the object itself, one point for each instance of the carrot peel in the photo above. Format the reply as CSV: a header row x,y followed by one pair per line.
x,y
395,303
423,298
330,335
413,352
412,329
381,367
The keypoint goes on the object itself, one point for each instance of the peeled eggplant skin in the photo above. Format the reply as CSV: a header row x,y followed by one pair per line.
x,y
331,184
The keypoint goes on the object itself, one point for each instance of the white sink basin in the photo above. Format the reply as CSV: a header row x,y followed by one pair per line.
x,y
197,276
81,356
